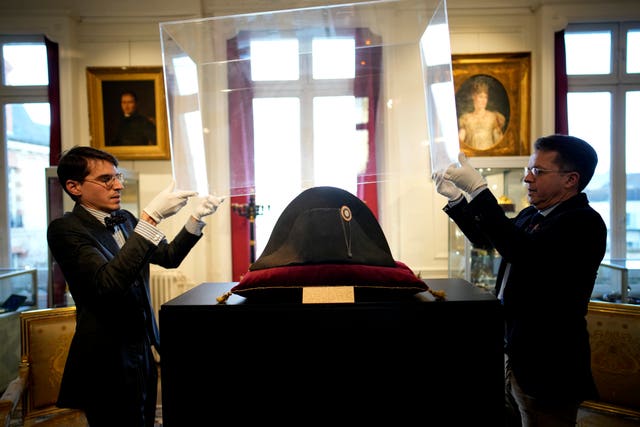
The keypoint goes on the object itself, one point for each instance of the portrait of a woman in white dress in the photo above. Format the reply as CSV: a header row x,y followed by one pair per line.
x,y
483,110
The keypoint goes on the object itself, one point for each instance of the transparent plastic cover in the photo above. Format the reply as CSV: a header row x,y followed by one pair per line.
x,y
307,97
435,47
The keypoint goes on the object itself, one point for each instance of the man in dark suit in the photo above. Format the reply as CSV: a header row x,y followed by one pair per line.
x,y
134,128
550,252
110,371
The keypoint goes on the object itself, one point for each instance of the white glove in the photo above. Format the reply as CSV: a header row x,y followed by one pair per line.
x,y
465,177
446,188
207,206
168,202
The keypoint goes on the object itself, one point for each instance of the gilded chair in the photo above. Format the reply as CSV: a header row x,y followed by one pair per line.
x,y
45,338
614,331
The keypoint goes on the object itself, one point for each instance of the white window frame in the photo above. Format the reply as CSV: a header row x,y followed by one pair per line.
x,y
305,89
12,95
617,83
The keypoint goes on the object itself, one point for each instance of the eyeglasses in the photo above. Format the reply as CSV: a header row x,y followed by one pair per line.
x,y
107,181
539,171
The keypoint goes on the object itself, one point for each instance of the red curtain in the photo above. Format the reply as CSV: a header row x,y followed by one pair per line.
x,y
366,84
57,283
562,87
55,138
241,149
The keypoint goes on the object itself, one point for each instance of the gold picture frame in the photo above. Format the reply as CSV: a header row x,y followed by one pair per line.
x,y
106,86
506,78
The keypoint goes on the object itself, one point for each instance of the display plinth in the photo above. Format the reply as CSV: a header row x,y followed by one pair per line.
x,y
414,360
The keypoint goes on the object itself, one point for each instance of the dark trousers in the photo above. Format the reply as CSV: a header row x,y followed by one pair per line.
x,y
136,406
534,414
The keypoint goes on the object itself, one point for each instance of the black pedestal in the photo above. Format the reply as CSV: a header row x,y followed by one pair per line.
x,y
410,361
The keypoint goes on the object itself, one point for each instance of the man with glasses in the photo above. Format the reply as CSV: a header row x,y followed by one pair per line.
x,y
550,253
104,253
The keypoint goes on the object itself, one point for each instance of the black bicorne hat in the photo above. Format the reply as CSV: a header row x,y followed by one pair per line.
x,y
326,225
326,237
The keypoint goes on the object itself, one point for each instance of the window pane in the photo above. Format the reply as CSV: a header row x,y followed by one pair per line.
x,y
633,174
277,158
274,60
25,64
633,52
334,58
597,44
337,152
590,119
27,136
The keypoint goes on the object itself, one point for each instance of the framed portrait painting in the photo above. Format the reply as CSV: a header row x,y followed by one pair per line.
x,y
127,112
493,101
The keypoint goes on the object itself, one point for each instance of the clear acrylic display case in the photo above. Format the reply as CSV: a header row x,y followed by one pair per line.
x,y
505,179
19,282
618,281
22,282
208,69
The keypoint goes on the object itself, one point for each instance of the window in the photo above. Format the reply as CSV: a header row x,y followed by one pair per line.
x,y
24,152
603,104
309,118
305,121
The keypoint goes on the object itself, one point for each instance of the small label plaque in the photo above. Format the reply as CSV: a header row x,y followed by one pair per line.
x,y
327,294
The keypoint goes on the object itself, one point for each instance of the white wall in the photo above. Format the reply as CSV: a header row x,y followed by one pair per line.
x,y
123,33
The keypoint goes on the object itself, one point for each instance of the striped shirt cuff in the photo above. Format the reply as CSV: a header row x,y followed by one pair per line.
x,y
149,232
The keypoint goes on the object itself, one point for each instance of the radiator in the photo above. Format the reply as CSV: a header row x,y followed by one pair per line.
x,y
166,285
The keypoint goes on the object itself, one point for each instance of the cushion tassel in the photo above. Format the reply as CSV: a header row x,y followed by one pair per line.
x,y
440,295
224,297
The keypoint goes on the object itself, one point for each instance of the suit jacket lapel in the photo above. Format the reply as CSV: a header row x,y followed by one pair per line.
x,y
525,217
98,230
127,229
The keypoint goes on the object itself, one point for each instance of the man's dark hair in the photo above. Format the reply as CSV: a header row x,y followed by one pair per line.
x,y
129,92
74,164
573,154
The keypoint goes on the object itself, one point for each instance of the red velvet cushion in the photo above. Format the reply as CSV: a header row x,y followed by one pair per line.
x,y
368,280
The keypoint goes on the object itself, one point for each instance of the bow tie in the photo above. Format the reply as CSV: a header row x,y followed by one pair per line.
x,y
113,220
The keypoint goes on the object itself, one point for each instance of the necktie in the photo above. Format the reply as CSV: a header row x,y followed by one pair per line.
x,y
535,220
113,220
